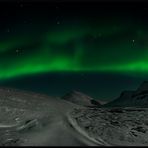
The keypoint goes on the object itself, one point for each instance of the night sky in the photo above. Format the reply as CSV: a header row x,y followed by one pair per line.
x,y
53,47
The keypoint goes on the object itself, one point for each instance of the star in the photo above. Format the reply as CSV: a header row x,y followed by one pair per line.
x,y
21,5
58,23
17,50
8,30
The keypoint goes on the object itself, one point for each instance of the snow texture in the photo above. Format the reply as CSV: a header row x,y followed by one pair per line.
x,y
31,119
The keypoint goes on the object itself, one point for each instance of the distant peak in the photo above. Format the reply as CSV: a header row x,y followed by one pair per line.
x,y
143,86
77,93
80,98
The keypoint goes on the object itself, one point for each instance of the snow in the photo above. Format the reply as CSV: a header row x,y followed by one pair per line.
x,y
127,127
30,119
38,119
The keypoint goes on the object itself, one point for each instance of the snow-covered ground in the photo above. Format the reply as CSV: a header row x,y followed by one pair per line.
x,y
114,126
30,119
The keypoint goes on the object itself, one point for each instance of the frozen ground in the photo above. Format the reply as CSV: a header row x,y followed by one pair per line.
x,y
30,119
114,126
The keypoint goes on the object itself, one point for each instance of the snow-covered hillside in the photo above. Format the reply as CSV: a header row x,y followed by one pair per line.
x,y
28,118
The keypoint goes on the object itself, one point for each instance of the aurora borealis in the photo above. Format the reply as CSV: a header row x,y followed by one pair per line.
x,y
80,38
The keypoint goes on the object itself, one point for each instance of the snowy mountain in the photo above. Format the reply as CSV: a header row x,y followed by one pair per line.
x,y
80,99
137,98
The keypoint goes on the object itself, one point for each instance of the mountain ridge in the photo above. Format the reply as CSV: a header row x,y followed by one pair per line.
x,y
137,98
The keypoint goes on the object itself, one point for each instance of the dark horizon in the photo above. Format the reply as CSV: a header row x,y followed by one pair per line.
x,y
99,86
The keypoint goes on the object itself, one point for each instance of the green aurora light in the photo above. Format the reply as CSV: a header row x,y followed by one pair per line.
x,y
95,47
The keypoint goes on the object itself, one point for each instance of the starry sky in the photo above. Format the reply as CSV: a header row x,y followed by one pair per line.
x,y
53,47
